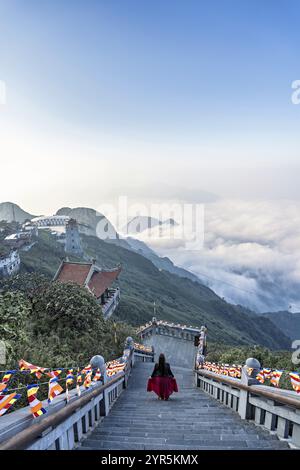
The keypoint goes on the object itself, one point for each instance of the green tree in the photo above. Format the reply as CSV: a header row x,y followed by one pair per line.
x,y
62,323
14,314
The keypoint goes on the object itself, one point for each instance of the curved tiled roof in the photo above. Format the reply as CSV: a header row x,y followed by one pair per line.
x,y
74,272
87,274
100,281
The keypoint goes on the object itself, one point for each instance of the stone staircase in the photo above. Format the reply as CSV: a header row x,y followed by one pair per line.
x,y
189,420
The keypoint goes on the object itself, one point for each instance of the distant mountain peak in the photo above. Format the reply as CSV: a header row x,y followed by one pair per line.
x,y
140,223
170,222
91,222
11,212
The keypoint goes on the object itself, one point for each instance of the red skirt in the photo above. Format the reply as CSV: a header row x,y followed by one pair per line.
x,y
162,386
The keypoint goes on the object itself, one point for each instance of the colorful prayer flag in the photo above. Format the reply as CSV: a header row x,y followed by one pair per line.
x,y
295,380
54,389
6,379
6,401
54,373
88,380
35,404
113,367
24,365
260,377
276,377
69,381
86,369
97,375
70,377
267,373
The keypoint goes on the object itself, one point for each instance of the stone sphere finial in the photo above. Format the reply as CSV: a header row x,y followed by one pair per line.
x,y
98,362
129,342
253,363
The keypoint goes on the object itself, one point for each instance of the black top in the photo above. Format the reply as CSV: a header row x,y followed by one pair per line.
x,y
158,372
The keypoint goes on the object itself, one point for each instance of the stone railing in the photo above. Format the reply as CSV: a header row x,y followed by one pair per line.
x,y
65,425
274,409
166,328
111,304
143,353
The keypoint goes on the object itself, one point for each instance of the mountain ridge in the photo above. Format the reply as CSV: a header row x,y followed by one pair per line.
x,y
178,298
288,322
11,212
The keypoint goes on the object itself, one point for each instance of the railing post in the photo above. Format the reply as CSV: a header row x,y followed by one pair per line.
x,y
98,362
71,438
296,432
79,430
258,417
282,427
104,404
234,403
270,418
129,354
244,408
63,442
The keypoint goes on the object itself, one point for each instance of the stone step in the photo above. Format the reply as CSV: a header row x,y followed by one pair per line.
x,y
178,420
108,445
175,443
167,434
137,437
169,426
157,413
165,427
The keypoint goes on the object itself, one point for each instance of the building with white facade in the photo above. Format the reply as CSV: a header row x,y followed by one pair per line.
x,y
50,221
9,264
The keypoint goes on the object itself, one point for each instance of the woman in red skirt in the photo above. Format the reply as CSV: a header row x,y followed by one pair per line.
x,y
162,380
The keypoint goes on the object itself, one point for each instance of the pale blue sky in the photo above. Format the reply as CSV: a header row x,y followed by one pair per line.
x,y
107,96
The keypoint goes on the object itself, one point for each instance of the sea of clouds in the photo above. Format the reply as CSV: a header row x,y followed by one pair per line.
x,y
251,252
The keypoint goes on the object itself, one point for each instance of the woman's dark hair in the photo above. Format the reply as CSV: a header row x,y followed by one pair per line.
x,y
162,363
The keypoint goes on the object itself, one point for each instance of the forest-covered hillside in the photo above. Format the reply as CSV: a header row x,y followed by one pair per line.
x,y
177,299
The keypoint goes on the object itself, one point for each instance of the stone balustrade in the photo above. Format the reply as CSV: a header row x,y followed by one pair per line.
x,y
274,409
111,304
161,327
66,425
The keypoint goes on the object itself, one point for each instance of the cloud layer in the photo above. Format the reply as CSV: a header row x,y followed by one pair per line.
x,y
251,253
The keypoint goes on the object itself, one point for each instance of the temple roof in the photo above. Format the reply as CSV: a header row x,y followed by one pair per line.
x,y
73,272
89,275
101,281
